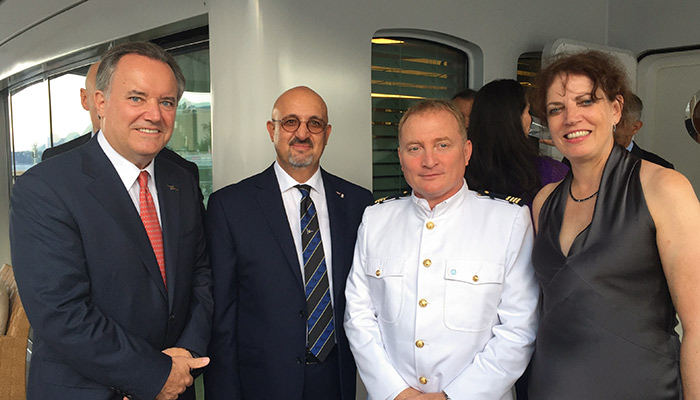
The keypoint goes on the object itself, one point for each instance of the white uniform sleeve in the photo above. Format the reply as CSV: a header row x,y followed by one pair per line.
x,y
504,358
362,328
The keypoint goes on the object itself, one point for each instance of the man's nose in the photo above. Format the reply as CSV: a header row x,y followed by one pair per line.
x,y
152,110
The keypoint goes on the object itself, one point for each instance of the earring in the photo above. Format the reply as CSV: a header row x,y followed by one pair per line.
x,y
614,127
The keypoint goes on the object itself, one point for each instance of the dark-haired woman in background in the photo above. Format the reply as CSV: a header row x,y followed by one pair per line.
x,y
504,160
616,250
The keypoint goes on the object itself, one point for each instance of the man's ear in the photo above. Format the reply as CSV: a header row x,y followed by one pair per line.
x,y
100,101
636,127
84,99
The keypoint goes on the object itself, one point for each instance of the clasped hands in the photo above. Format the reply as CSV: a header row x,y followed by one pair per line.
x,y
413,394
180,378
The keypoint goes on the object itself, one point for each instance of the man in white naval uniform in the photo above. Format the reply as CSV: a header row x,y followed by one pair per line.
x,y
442,298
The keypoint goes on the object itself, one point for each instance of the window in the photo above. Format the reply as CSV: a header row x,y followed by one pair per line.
x,y
404,72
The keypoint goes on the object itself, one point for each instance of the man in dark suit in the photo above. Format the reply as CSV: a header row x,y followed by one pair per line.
x,y
87,100
269,341
629,125
119,306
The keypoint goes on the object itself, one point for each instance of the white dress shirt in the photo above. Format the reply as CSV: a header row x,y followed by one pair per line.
x,y
443,299
291,196
129,174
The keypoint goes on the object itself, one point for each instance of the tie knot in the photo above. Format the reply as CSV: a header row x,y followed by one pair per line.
x,y
143,179
304,189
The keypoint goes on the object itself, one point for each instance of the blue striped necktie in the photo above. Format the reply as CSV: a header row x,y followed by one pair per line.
x,y
320,324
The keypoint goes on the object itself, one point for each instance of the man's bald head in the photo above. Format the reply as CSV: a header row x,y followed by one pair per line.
x,y
87,96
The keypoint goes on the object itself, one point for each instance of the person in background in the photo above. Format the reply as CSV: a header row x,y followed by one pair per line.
x,y
616,252
629,125
109,251
504,160
463,101
281,247
441,299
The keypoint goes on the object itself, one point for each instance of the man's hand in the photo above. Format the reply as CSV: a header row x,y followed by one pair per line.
x,y
408,393
180,378
177,352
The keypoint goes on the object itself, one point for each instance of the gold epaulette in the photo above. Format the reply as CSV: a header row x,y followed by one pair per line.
x,y
511,199
389,198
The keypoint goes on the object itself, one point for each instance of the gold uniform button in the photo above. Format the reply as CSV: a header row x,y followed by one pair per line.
x,y
475,278
423,380
423,303
420,344
378,273
427,262
430,225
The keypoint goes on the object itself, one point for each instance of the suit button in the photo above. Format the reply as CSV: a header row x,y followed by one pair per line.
x,y
423,380
172,317
420,344
299,360
475,278
301,314
378,273
427,262
430,225
423,303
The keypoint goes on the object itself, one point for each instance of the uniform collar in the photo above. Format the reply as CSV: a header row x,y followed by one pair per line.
x,y
444,207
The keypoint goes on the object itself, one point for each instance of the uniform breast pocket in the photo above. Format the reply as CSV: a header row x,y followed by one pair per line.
x,y
472,294
385,277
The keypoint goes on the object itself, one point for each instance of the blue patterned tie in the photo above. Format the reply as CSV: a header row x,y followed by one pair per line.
x,y
320,324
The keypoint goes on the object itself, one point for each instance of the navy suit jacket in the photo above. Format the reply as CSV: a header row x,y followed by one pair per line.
x,y
649,156
258,343
90,282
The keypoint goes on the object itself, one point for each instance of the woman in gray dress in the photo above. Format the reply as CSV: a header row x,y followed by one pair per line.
x,y
616,252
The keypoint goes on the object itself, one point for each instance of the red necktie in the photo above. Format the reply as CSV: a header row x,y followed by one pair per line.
x,y
150,222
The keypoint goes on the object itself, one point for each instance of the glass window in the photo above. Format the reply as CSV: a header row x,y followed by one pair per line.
x,y
404,72
30,125
192,134
68,118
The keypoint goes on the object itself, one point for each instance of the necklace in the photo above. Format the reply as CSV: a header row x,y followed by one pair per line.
x,y
581,200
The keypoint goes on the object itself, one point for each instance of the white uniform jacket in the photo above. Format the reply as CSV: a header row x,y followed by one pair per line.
x,y
443,299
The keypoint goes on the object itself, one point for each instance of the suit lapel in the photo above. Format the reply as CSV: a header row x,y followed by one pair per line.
x,y
169,203
270,200
109,192
337,210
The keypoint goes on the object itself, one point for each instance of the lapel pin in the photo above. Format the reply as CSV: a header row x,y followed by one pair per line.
x,y
173,187
342,196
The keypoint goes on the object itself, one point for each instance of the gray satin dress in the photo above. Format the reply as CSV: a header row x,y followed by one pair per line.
x,y
607,324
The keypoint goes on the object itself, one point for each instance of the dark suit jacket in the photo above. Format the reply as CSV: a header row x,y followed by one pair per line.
x,y
646,155
64,147
81,140
258,343
90,282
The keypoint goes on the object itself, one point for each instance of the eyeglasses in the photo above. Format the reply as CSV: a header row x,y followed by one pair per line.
x,y
291,124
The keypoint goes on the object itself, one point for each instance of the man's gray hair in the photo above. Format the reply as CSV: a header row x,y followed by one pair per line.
x,y
108,64
632,109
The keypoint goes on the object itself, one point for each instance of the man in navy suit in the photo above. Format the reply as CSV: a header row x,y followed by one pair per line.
x,y
629,125
109,251
263,343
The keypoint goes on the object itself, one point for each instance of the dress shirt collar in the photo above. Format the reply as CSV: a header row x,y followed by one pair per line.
x,y
286,182
455,201
631,146
128,172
